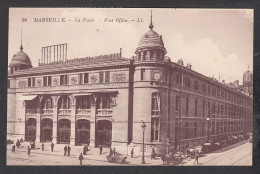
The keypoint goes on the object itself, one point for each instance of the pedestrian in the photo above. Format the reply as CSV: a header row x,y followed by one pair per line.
x,y
114,152
81,158
65,150
100,150
42,147
13,149
132,153
84,150
18,143
153,153
52,146
196,156
110,152
69,150
28,150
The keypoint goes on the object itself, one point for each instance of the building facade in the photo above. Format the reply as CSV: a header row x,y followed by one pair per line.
x,y
104,100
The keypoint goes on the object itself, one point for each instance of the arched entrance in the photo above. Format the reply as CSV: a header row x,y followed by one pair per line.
x,y
103,133
46,130
30,129
64,131
82,132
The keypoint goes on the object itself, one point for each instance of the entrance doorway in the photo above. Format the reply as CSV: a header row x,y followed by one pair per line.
x,y
30,129
103,133
83,132
64,131
46,130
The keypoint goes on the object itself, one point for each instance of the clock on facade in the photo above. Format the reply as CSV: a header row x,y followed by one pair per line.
x,y
156,75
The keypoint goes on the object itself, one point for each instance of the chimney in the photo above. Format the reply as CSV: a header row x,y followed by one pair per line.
x,y
188,66
180,62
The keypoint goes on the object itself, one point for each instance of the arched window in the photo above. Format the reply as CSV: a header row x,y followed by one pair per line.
x,y
155,104
64,102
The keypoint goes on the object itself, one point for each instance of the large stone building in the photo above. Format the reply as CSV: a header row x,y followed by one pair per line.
x,y
104,100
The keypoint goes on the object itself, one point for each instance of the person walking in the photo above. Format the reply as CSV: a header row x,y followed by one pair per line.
x,y
196,156
65,150
80,158
110,152
114,152
28,151
132,153
69,150
52,146
84,150
42,147
13,149
153,153
100,150
18,143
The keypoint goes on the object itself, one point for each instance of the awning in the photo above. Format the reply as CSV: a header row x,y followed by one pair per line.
x,y
27,97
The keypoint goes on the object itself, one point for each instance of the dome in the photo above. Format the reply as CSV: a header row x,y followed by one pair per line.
x,y
151,39
21,60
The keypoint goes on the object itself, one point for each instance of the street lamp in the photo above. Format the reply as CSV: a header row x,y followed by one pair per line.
x,y
208,119
143,127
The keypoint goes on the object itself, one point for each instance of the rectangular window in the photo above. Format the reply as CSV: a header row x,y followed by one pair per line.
x,y
86,77
208,109
187,107
178,79
29,82
45,81
195,130
155,129
196,85
165,76
209,90
107,76
142,73
186,131
33,81
63,79
196,107
101,77
204,105
204,87
177,103
49,80
81,78
188,82
203,129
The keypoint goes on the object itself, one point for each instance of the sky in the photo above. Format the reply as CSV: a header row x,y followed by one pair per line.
x,y
217,42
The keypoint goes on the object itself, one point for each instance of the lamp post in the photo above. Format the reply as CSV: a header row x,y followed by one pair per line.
x,y
143,127
208,119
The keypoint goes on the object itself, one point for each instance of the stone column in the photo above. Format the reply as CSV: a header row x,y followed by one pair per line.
x,y
38,121
93,122
55,119
73,120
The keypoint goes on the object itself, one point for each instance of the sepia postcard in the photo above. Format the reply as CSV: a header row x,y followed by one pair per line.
x,y
130,87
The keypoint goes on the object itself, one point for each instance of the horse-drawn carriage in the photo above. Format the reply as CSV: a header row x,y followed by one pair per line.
x,y
172,158
116,158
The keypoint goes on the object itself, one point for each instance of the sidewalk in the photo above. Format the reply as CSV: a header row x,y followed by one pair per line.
x,y
92,154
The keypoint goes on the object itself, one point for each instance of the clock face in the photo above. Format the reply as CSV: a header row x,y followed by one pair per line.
x,y
157,75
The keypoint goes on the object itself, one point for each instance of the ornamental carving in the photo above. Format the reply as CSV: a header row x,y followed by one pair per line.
x,y
39,82
22,84
73,80
93,78
118,77
55,81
